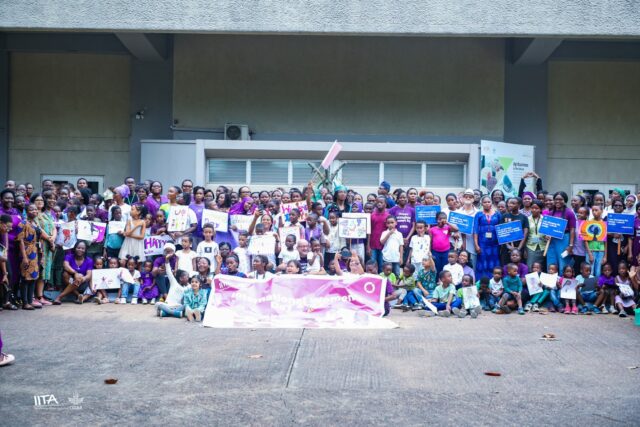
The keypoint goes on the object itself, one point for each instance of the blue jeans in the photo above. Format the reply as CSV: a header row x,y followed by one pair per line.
x,y
169,310
596,267
589,297
556,247
554,295
128,286
376,255
493,299
441,259
413,297
457,302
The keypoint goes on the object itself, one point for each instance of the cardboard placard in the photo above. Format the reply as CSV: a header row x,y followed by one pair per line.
x,y
352,228
509,232
427,214
553,226
219,219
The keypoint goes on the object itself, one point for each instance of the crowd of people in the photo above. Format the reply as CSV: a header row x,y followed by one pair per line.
x,y
427,266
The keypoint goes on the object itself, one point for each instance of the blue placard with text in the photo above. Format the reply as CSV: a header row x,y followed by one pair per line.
x,y
553,227
509,232
620,223
462,221
427,214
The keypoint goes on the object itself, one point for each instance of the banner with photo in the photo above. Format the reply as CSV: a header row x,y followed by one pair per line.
x,y
502,165
293,301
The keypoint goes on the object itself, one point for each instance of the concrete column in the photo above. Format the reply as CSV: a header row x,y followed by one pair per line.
x,y
152,94
526,110
4,110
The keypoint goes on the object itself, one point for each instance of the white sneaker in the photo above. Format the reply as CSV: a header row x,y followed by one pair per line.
x,y
153,301
535,308
613,310
6,359
527,307
123,300
134,300
144,301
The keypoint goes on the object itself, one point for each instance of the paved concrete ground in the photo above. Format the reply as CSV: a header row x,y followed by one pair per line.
x,y
427,371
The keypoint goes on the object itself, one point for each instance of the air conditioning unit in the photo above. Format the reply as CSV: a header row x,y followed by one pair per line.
x,y
236,132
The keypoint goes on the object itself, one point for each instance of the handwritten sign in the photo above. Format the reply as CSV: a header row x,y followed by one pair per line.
x,y
427,214
549,280
568,290
464,222
178,218
67,235
301,206
91,231
553,227
283,232
219,219
105,278
620,223
116,227
264,244
533,283
242,222
366,216
470,297
154,245
352,228
509,232
593,231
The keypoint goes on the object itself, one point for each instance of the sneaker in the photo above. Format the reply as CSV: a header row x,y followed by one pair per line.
x,y
36,303
460,313
144,301
528,307
535,308
123,300
584,310
153,301
495,310
97,300
552,309
117,300
613,310
520,310
622,314
415,307
505,309
574,310
596,310
444,313
6,359
603,310
476,310
134,300
158,312
567,309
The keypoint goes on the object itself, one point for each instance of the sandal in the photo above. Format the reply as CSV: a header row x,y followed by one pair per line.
x,y
9,306
56,302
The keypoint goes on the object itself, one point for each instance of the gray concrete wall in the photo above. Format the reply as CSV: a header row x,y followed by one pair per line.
x,y
69,115
429,17
594,123
341,85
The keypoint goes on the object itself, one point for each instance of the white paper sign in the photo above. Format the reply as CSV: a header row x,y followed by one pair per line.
x,y
242,222
219,219
470,297
429,305
533,283
67,235
568,290
352,228
91,231
362,215
262,245
301,206
283,232
178,218
105,278
116,226
549,280
154,245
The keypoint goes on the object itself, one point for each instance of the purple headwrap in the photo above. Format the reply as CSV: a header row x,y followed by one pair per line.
x,y
530,194
356,207
122,190
238,208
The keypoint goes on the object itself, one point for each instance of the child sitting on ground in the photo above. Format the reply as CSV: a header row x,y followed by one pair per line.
x,y
538,299
148,289
471,304
607,285
426,277
407,283
624,298
587,292
195,301
372,268
173,305
484,293
512,291
132,282
496,287
444,296
454,268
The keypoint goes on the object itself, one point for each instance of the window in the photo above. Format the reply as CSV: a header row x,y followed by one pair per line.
x,y
302,172
445,175
361,174
403,174
269,171
231,171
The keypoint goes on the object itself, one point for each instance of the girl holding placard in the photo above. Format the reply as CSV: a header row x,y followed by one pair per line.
x,y
624,298
134,231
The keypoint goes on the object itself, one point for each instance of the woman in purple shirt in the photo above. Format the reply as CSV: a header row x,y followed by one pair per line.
x,y
197,206
7,199
406,216
155,199
76,273
558,246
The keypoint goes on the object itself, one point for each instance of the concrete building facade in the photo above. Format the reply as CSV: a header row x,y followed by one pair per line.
x,y
109,89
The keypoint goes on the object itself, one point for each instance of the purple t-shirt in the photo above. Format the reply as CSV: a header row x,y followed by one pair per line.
x,y
388,291
160,261
568,215
197,209
86,265
406,217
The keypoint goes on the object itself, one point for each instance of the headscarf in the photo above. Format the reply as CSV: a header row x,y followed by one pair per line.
x,y
621,192
123,190
356,207
385,185
238,208
530,194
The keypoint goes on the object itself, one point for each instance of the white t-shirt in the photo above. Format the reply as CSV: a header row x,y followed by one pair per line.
x,y
456,271
209,250
287,255
335,241
125,209
495,287
244,260
185,260
265,275
420,247
391,250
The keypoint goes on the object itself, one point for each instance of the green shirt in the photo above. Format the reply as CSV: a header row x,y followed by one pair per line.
x,y
408,282
391,277
512,284
596,246
442,294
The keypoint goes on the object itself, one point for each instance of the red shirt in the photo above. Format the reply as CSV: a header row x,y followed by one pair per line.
x,y
378,225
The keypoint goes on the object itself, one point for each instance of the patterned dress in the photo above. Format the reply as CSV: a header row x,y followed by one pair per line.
x,y
489,255
46,223
30,235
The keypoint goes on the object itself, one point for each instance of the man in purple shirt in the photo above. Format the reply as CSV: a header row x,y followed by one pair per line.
x,y
406,217
378,225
